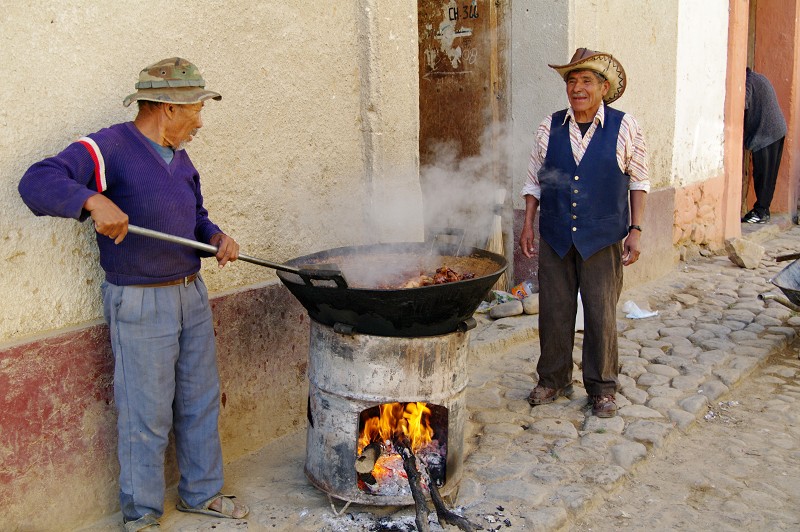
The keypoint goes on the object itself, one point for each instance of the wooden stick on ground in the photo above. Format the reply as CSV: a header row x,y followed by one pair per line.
x,y
403,445
791,256
444,514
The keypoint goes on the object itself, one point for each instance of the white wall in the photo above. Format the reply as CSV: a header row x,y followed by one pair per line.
x,y
316,135
539,35
674,55
702,54
642,35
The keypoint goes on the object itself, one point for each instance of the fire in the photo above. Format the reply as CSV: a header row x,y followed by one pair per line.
x,y
389,427
411,419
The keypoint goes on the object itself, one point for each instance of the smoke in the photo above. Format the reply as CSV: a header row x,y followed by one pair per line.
x,y
459,206
451,201
459,192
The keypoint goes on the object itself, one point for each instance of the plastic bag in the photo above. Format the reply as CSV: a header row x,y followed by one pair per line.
x,y
634,312
503,297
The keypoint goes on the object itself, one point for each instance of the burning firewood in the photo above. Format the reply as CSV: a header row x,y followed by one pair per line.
x,y
365,463
443,514
403,444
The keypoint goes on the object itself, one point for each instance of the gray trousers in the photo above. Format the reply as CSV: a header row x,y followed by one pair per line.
x,y
165,378
599,280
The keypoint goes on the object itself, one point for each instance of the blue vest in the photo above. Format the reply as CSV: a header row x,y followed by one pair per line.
x,y
584,205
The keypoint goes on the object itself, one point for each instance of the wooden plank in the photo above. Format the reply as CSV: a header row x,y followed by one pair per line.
x,y
456,92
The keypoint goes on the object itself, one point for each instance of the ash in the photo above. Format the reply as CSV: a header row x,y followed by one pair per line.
x,y
367,522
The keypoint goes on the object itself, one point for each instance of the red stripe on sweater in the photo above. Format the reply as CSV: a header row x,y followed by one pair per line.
x,y
97,173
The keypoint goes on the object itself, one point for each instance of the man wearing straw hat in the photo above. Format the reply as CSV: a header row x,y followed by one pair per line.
x,y
588,180
155,302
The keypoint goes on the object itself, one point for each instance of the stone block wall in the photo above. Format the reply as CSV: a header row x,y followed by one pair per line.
x,y
698,214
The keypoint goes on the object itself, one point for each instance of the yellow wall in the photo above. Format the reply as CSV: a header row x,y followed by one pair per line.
x,y
314,141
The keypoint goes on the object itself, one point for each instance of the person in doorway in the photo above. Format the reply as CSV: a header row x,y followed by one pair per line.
x,y
588,179
764,132
155,301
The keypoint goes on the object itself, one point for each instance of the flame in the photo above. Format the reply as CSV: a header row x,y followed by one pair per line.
x,y
411,419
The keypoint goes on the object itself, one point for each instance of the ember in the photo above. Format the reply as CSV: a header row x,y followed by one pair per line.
x,y
380,465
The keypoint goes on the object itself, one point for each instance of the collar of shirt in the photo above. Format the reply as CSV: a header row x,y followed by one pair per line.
x,y
165,152
599,117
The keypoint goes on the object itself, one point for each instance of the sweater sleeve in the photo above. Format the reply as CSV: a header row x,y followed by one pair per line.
x,y
60,185
204,228
748,93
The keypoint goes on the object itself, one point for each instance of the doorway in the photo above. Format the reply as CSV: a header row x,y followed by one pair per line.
x,y
772,51
462,108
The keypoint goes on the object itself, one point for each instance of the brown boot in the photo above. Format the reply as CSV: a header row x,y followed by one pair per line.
x,y
604,405
542,395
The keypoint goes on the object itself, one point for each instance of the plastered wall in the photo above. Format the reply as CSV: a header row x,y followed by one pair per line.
x,y
698,148
539,36
674,54
777,41
313,146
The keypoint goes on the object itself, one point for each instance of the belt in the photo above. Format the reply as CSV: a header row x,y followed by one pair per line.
x,y
183,280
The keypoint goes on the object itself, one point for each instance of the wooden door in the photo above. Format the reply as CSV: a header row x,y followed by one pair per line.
x,y
462,109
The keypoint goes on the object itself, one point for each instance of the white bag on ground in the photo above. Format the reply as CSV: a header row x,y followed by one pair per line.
x,y
633,311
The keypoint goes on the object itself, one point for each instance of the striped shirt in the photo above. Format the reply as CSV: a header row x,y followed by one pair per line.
x,y
631,150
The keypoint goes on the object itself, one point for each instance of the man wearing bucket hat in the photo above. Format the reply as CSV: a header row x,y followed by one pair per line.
x,y
588,180
155,302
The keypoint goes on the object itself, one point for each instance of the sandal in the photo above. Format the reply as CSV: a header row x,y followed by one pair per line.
x,y
228,508
146,522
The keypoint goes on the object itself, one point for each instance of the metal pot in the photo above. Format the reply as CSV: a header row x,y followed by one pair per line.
x,y
366,308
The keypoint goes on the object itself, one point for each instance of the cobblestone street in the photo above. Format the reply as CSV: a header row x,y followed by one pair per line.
x,y
706,436
736,470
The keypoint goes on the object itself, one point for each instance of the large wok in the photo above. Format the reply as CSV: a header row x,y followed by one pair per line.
x,y
366,308
342,287
788,280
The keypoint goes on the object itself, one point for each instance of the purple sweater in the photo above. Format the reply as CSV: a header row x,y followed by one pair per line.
x,y
154,194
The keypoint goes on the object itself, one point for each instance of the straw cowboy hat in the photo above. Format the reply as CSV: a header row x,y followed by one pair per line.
x,y
600,62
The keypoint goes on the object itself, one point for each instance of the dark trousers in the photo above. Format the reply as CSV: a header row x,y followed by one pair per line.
x,y
766,163
599,280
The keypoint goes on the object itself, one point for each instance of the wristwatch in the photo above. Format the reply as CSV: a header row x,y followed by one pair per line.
x,y
632,227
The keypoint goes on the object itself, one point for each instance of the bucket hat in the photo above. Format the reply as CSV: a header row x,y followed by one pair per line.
x,y
173,80
602,63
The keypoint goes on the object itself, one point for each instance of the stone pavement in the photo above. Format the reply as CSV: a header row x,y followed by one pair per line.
x,y
542,468
737,469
